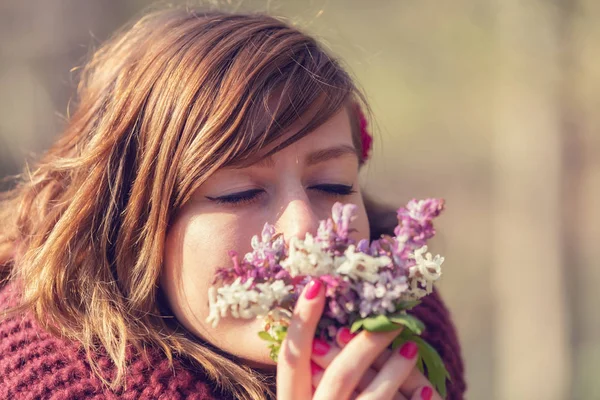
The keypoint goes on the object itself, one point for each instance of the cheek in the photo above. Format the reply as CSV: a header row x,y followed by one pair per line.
x,y
196,246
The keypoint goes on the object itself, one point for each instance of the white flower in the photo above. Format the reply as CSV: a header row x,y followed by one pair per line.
x,y
307,257
357,265
270,294
425,272
242,302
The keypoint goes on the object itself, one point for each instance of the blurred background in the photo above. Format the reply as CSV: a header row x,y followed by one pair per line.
x,y
490,104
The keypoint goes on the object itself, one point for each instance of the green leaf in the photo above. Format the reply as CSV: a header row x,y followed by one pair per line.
x,y
274,351
429,361
357,325
407,305
379,323
281,333
436,371
412,323
420,365
266,336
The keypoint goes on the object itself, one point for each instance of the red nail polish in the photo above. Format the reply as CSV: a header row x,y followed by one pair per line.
x,y
409,350
314,368
313,289
426,393
320,347
345,335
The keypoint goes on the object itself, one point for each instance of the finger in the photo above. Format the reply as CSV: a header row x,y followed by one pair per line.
x,y
367,377
344,336
424,393
326,352
366,380
316,372
293,365
415,380
343,374
320,362
397,396
391,376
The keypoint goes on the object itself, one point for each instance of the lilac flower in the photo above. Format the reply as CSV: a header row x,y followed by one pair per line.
x,y
326,232
261,264
333,233
342,215
381,296
340,298
361,279
415,224
242,301
308,257
425,272
267,270
361,266
266,251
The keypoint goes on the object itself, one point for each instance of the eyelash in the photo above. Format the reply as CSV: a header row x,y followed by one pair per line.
x,y
247,197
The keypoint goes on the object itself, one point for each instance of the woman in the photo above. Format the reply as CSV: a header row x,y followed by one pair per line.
x,y
191,131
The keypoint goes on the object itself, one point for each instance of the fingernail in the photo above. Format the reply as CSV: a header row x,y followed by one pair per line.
x,y
345,335
426,393
314,368
313,289
409,350
320,347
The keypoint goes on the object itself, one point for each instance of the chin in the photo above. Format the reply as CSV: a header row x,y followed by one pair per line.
x,y
240,338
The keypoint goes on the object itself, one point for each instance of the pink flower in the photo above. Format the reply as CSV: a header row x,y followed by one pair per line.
x,y
366,139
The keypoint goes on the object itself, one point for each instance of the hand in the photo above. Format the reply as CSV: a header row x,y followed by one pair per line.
x,y
361,369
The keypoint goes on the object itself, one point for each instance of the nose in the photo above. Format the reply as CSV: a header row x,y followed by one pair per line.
x,y
297,219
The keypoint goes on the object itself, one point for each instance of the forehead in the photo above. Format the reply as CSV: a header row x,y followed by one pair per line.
x,y
306,133
334,136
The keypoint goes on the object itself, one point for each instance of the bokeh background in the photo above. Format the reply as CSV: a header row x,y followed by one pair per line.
x,y
491,104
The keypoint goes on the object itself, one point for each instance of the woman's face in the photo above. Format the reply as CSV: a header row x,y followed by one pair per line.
x,y
292,190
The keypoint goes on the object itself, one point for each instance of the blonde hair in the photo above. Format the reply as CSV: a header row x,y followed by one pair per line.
x,y
160,107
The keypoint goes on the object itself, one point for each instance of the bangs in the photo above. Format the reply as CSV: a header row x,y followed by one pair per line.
x,y
301,89
250,83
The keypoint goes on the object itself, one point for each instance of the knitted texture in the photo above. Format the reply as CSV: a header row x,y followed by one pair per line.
x,y
37,365
441,334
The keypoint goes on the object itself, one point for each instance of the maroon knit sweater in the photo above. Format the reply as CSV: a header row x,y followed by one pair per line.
x,y
36,365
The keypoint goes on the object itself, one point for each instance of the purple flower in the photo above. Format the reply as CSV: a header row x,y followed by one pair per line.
x,y
382,296
340,299
267,251
362,279
415,224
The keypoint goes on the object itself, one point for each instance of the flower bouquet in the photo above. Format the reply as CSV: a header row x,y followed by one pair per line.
x,y
369,286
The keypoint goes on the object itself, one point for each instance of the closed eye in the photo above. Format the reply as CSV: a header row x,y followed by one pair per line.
x,y
249,196
335,190
245,197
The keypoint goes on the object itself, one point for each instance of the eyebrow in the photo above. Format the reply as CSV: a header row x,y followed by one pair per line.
x,y
317,156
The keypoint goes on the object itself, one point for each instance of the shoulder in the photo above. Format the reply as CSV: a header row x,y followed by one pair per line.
x,y
35,364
